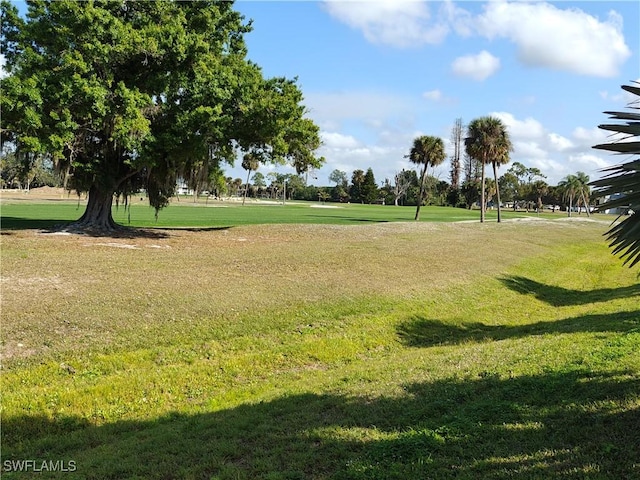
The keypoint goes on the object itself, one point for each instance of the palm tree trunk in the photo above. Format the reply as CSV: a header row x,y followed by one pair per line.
x,y
246,188
424,174
482,196
495,176
586,204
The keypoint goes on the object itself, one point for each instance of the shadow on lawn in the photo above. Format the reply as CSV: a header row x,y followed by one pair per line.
x,y
348,220
53,226
423,332
17,223
565,425
560,297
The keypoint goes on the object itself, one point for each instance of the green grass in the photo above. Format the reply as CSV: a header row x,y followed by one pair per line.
x,y
369,351
20,215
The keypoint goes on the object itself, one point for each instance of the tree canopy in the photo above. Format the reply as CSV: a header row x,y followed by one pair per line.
x,y
128,95
427,151
488,141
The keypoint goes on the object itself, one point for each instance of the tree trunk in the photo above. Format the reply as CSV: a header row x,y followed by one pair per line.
x,y
586,204
482,204
424,174
246,188
495,176
97,216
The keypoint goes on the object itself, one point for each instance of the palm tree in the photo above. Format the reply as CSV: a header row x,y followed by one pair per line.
x,y
250,163
539,189
622,183
426,151
488,142
570,187
584,191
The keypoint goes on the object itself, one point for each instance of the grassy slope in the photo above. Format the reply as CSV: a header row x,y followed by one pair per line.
x,y
319,351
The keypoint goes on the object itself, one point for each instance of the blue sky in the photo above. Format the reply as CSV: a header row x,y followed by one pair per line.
x,y
377,74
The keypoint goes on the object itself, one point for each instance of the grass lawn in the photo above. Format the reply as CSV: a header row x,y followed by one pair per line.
x,y
348,349
222,214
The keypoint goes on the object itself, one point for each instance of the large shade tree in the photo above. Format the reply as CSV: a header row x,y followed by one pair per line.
x,y
488,141
129,95
621,184
427,151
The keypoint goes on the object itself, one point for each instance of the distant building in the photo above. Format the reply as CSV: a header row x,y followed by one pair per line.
x,y
624,210
182,188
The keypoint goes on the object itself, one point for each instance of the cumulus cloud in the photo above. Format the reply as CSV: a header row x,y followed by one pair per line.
x,y
392,22
526,129
588,162
561,39
338,140
374,107
559,143
566,39
478,67
586,137
556,155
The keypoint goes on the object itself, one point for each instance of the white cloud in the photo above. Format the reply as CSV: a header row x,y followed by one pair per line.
x,y
478,67
546,36
338,140
435,95
461,20
526,129
3,62
559,143
562,39
399,23
373,106
587,162
556,155
587,137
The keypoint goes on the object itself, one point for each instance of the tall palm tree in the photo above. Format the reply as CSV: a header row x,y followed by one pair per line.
x,y
488,142
250,162
570,187
621,185
584,191
427,151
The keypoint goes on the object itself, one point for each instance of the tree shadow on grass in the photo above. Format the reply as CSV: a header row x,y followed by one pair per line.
x,y
419,331
58,226
17,223
348,219
561,297
567,424
191,229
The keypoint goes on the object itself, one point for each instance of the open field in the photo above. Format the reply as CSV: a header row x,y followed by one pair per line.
x,y
50,207
356,350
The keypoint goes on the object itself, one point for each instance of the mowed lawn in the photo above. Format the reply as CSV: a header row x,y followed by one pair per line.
x,y
19,213
363,349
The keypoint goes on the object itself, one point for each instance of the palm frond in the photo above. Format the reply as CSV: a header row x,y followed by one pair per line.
x,y
621,184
